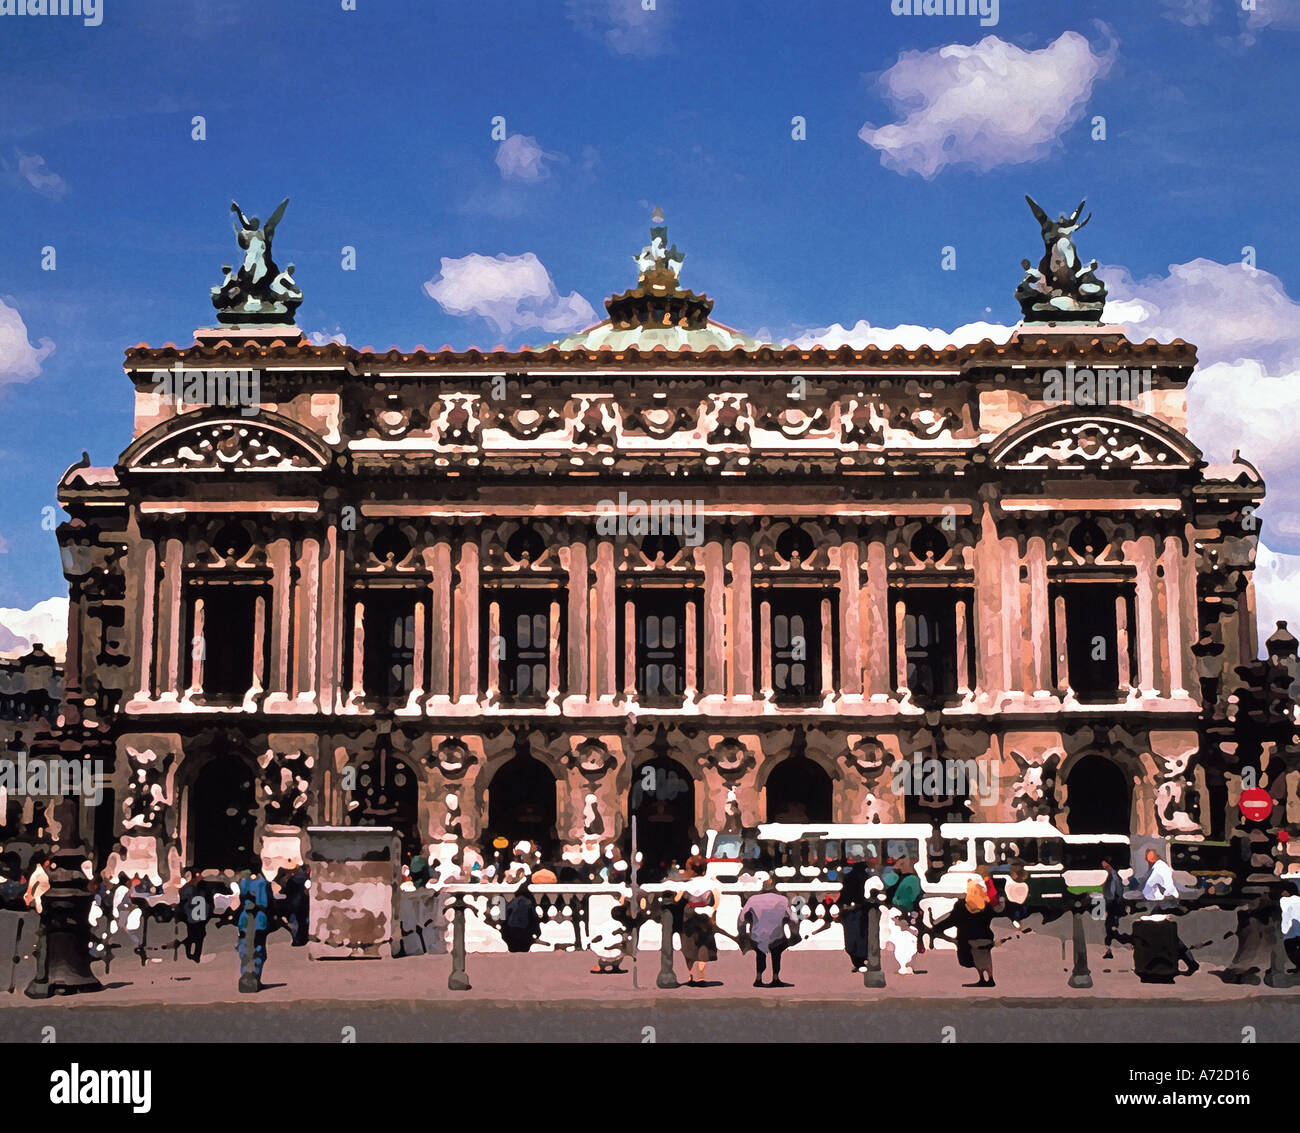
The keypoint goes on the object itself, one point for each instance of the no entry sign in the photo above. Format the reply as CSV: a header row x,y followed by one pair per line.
x,y
1255,803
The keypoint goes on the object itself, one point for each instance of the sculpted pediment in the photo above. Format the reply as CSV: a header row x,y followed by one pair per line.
x,y
1072,441
233,444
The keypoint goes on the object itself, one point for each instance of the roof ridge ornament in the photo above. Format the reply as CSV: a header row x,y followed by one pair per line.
x,y
1060,289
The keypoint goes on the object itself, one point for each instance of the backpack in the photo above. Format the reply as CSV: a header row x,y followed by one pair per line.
x,y
519,914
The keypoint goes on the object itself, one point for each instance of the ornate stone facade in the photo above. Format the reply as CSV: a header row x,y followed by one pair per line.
x,y
659,569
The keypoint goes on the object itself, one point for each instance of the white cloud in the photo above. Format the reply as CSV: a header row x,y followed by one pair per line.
x,y
862,334
1192,13
1277,591
987,105
46,622
1274,14
1228,311
20,361
520,158
624,26
33,170
511,292
1245,394
321,337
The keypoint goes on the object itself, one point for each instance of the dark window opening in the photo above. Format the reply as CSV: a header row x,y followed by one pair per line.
x,y
1092,639
660,648
389,642
523,648
226,648
930,646
796,639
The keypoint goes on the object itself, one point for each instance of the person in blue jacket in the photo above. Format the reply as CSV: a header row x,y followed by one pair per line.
x,y
254,902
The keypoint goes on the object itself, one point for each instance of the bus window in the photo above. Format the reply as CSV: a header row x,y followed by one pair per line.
x,y
856,850
727,846
896,848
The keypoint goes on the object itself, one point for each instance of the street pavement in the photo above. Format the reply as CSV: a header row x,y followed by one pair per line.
x,y
553,997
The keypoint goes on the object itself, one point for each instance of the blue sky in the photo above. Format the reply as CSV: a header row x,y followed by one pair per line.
x,y
378,124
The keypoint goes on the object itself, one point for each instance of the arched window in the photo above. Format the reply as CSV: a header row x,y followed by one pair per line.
x,y
798,790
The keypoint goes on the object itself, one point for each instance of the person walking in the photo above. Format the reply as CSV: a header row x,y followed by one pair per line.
x,y
903,906
38,883
1290,906
852,902
1016,891
1161,894
522,924
773,927
194,905
972,919
1112,897
699,927
296,903
254,923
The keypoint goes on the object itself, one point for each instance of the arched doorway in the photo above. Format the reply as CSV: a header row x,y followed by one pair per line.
x,y
1098,797
387,794
797,790
662,800
223,815
521,806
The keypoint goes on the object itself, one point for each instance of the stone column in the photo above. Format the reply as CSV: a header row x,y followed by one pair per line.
x,y
963,658
332,620
259,643
692,640
605,621
765,649
900,645
144,570
198,650
990,656
358,650
577,646
466,650
494,652
418,651
1039,630
1062,648
828,645
714,620
850,630
438,560
740,631
307,619
879,679
629,649
1144,560
1122,656
1171,561
170,620
553,668
281,556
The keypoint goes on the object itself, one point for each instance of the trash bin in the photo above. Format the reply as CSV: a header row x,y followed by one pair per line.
x,y
1155,949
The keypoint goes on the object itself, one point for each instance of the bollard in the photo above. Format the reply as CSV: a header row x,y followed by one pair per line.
x,y
667,977
458,980
873,976
1279,968
1080,976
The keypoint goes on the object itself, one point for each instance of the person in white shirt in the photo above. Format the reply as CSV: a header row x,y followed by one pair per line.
x,y
1159,884
1161,891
